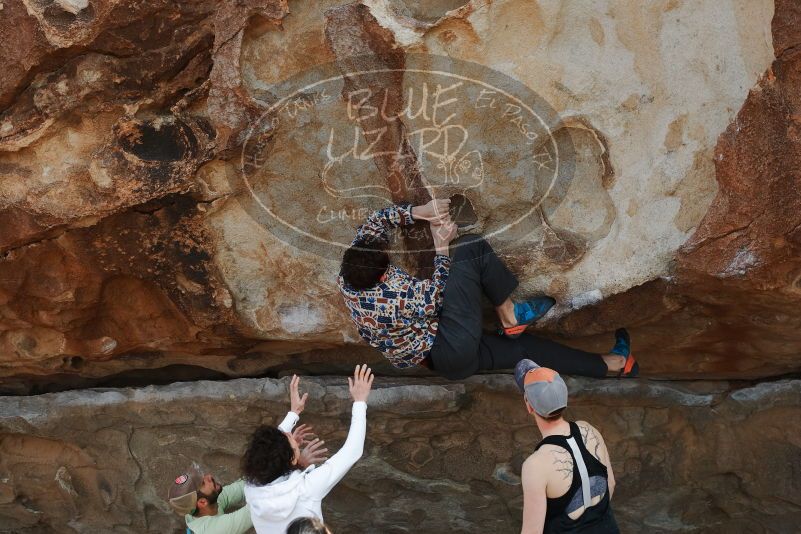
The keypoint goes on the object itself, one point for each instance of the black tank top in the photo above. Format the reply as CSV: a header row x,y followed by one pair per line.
x,y
597,519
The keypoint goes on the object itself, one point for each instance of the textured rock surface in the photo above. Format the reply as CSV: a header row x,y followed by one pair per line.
x,y
732,304
140,140
129,244
440,457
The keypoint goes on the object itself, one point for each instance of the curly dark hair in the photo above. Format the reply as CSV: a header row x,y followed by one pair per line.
x,y
268,456
364,263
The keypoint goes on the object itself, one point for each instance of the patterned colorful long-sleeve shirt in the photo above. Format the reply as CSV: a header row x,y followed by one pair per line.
x,y
399,316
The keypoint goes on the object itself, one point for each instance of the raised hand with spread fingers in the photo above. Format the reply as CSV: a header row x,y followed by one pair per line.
x,y
296,402
361,383
303,435
313,453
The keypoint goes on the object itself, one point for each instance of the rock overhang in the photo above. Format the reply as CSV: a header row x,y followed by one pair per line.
x,y
643,120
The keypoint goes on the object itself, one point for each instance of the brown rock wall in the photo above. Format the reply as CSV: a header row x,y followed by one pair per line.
x,y
700,457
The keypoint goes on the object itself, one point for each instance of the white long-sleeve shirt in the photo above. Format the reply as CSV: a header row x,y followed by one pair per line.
x,y
300,494
289,422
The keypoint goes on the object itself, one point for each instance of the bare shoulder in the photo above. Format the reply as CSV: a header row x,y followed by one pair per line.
x,y
532,469
534,461
592,439
587,430
540,460
586,425
550,459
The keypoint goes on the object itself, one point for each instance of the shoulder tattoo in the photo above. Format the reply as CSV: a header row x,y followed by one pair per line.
x,y
562,462
590,438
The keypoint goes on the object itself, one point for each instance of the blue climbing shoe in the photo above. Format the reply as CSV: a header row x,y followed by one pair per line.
x,y
623,348
526,313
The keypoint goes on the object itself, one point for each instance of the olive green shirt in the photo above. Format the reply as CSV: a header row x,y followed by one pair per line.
x,y
237,522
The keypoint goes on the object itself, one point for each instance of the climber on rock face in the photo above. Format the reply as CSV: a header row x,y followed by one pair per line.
x,y
278,488
568,481
437,323
204,501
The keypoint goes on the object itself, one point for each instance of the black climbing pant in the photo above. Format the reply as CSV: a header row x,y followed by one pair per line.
x,y
461,348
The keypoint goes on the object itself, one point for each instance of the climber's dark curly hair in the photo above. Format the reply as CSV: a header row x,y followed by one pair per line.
x,y
268,456
364,263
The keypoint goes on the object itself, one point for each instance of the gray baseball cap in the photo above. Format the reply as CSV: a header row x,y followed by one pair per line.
x,y
544,390
182,494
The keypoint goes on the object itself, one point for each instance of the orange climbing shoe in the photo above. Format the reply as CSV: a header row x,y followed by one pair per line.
x,y
623,348
526,313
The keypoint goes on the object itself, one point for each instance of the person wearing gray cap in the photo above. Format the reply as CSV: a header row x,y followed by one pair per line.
x,y
568,481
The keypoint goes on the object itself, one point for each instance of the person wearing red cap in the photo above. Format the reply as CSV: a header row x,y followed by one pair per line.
x,y
568,481
204,502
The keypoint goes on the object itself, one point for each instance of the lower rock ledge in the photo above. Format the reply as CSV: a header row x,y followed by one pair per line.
x,y
440,456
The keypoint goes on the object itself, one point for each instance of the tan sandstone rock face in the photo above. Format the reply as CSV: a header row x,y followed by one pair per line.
x,y
439,456
651,89
140,164
734,297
